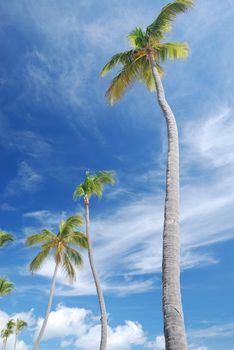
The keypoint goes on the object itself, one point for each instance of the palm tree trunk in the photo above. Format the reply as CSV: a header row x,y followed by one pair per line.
x,y
101,300
15,341
4,344
41,333
174,329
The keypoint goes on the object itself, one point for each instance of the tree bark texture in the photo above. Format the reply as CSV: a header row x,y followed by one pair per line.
x,y
42,330
174,329
103,343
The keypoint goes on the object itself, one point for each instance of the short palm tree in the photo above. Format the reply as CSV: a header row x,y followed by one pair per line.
x,y
65,255
6,287
143,63
6,332
5,237
20,325
93,185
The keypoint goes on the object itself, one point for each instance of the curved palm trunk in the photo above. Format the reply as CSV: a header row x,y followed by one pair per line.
x,y
16,334
4,344
101,300
42,330
174,329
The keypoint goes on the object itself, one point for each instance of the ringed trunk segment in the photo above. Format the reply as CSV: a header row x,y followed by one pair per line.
x,y
174,329
103,343
42,330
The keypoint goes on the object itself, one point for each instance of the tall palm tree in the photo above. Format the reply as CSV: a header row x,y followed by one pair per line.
x,y
20,325
6,287
6,332
65,255
5,237
143,62
93,185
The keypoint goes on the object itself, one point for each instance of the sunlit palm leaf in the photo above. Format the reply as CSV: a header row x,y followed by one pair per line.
x,y
5,237
71,224
173,51
137,38
74,256
39,259
77,238
43,236
68,268
125,79
20,325
120,58
162,24
6,287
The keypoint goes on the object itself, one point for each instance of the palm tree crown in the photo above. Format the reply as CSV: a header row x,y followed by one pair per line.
x,y
61,244
20,325
6,287
5,237
8,330
93,184
146,43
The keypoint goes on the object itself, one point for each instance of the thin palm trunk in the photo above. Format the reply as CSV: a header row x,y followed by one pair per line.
x,y
4,344
16,334
101,300
42,330
174,329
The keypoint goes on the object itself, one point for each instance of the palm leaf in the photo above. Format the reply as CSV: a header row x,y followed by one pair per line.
x,y
71,224
77,238
39,259
137,38
43,236
68,268
162,24
5,237
173,51
120,58
124,80
6,287
20,325
74,256
105,177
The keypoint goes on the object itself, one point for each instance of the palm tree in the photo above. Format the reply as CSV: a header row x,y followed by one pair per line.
x,y
143,62
5,237
6,287
64,255
93,185
6,332
19,327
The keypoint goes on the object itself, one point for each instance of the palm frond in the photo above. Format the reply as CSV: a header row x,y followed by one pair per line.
x,y
6,287
124,80
20,325
77,238
74,256
138,38
105,177
71,224
172,51
68,268
162,24
5,237
43,236
120,58
79,192
39,259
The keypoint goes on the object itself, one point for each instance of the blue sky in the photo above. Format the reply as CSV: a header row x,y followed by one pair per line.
x,y
55,124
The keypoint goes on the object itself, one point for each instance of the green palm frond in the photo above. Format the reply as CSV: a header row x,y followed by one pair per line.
x,y
125,79
137,38
173,51
79,192
68,268
5,237
20,325
74,256
39,259
43,236
6,287
77,238
120,58
71,224
162,24
105,177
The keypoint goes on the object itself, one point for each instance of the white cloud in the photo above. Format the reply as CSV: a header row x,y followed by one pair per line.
x,y
158,344
223,330
26,180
